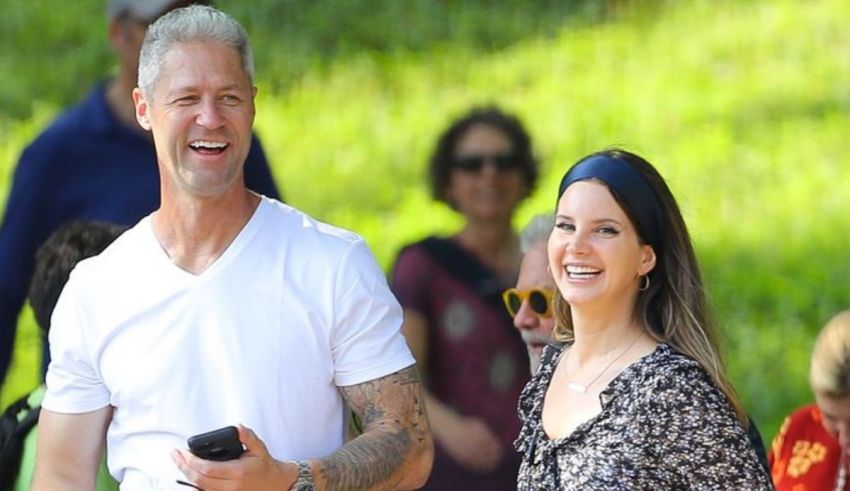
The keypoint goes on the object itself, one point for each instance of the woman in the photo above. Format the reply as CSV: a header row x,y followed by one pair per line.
x,y
811,450
635,397
472,361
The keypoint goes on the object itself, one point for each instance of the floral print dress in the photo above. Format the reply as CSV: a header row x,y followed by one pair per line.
x,y
664,425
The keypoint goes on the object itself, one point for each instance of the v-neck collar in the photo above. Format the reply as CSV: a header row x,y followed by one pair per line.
x,y
231,251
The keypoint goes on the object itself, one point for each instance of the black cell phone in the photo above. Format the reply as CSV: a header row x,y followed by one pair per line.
x,y
218,445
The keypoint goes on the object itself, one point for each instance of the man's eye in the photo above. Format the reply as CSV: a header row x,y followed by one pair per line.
x,y
185,100
230,99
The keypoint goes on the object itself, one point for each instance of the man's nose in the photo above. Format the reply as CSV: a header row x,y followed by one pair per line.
x,y
525,317
209,115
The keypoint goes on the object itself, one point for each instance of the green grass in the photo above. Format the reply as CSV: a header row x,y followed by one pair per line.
x,y
742,105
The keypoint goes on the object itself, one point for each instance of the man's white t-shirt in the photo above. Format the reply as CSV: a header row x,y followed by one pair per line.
x,y
291,310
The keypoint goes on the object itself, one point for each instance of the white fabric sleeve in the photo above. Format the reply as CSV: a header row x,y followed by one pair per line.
x,y
366,339
73,384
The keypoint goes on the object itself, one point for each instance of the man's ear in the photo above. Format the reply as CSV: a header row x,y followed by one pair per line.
x,y
647,259
141,109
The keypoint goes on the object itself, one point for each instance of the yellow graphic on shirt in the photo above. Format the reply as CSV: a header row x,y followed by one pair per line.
x,y
779,440
803,456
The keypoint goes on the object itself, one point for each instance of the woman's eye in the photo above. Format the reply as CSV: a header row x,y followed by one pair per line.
x,y
567,227
608,231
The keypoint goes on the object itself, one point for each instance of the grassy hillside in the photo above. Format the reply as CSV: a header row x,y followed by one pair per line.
x,y
742,105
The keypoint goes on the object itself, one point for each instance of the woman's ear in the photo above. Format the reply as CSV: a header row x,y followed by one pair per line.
x,y
647,260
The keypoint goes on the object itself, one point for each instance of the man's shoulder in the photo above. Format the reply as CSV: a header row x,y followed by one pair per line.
x,y
124,253
299,228
76,125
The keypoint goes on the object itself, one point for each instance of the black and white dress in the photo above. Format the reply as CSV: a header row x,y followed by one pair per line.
x,y
664,425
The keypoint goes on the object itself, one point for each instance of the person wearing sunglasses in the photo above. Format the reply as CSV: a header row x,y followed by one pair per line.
x,y
635,393
472,360
530,303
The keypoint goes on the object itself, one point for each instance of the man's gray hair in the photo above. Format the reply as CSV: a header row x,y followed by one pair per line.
x,y
538,230
186,25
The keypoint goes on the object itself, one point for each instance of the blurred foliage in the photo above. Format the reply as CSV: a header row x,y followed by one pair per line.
x,y
291,37
743,106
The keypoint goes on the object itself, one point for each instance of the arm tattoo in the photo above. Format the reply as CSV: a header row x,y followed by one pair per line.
x,y
395,424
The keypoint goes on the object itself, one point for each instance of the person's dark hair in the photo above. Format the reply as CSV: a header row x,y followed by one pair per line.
x,y
55,259
673,309
440,165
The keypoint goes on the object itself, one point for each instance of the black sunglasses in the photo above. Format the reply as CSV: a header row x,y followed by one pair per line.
x,y
474,163
539,299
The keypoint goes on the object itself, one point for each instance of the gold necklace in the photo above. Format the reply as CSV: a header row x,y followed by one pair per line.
x,y
581,389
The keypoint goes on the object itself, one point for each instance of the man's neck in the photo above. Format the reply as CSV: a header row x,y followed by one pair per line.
x,y
120,100
195,232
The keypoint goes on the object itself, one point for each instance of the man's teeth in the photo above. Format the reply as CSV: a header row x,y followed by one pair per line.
x,y
207,144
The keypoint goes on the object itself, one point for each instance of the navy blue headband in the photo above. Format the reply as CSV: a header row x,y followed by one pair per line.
x,y
627,185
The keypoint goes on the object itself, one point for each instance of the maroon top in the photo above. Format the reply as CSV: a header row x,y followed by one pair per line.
x,y
477,363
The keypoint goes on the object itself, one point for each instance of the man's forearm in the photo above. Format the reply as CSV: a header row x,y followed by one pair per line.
x,y
395,450
373,461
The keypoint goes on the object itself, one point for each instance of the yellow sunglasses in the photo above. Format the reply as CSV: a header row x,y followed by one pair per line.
x,y
539,299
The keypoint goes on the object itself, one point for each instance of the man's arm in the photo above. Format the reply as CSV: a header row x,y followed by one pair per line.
x,y
69,450
395,450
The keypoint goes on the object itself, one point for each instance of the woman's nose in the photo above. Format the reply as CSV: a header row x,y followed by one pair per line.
x,y
577,243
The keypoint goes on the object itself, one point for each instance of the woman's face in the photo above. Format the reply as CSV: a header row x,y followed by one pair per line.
x,y
836,417
493,190
594,250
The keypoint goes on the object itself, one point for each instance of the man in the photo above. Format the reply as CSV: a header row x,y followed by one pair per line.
x,y
223,308
530,303
93,163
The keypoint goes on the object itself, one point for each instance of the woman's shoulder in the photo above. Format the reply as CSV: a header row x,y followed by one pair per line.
x,y
551,352
668,377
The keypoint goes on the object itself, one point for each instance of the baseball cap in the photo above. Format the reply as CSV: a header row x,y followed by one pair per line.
x,y
145,10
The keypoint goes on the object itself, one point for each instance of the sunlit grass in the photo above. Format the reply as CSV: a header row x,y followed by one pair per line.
x,y
742,105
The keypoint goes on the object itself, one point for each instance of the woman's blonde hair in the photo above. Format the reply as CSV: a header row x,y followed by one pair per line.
x,y
829,372
673,307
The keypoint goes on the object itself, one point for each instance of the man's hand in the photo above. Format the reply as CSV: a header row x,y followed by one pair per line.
x,y
255,470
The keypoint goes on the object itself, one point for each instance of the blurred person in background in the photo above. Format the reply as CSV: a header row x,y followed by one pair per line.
x,y
635,392
93,162
811,450
55,259
530,303
471,359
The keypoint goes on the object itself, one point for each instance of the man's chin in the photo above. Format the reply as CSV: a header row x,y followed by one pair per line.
x,y
535,349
